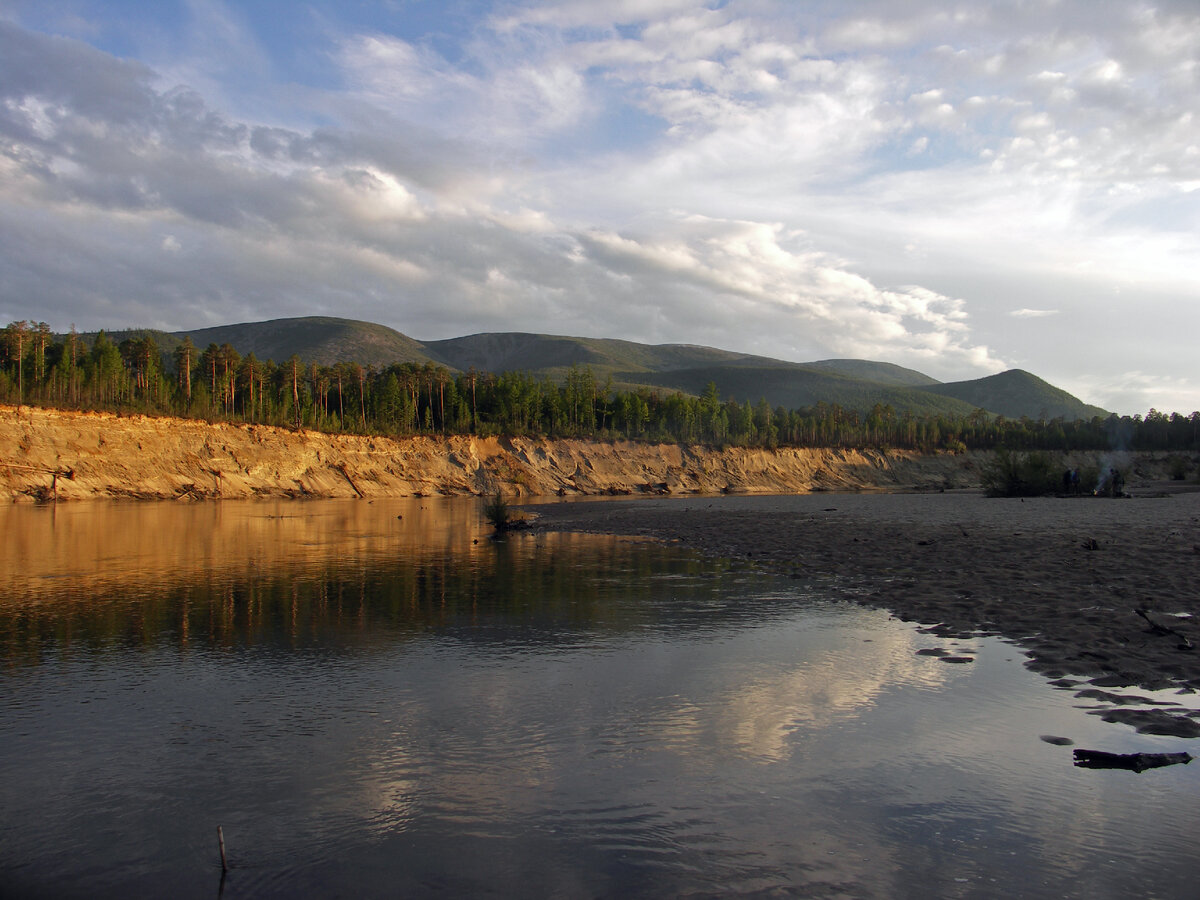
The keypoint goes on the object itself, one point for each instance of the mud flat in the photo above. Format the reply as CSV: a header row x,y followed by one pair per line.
x,y
1064,578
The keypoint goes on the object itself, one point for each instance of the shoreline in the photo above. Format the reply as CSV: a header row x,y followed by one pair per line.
x,y
48,455
1063,578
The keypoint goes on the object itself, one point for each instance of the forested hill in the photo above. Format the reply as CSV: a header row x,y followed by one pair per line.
x,y
1014,393
538,353
797,386
878,372
323,340
851,384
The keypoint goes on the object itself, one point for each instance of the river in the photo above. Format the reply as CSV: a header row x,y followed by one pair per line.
x,y
376,699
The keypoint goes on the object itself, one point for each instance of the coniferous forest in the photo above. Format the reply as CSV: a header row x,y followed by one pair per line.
x,y
216,383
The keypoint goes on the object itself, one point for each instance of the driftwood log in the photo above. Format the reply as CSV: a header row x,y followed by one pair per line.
x,y
1134,762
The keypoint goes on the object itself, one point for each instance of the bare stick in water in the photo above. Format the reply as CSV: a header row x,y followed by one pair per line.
x,y
221,844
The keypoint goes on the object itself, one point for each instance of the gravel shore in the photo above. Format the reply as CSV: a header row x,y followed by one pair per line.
x,y
1097,590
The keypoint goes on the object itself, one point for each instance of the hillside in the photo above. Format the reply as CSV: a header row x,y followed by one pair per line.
x,y
878,372
797,386
324,340
853,384
321,339
548,353
1018,393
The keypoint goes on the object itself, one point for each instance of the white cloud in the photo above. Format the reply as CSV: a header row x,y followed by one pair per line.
x,y
869,33
1032,313
756,271
579,13
1137,392
785,178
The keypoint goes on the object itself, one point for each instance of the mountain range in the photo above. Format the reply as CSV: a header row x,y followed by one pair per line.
x,y
850,383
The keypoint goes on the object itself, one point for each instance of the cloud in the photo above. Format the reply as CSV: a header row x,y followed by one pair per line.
x,y
1032,313
788,179
47,69
566,14
761,280
1138,392
517,93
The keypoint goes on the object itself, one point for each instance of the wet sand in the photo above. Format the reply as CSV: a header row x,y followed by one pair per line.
x,y
1063,578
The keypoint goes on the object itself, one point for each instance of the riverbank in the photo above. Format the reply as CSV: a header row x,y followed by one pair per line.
x,y
1062,577
48,454
66,455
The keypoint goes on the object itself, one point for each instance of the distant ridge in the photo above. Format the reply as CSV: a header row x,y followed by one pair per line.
x,y
853,384
324,340
509,351
879,372
1018,393
794,386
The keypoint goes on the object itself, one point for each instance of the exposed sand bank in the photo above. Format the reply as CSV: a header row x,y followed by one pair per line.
x,y
64,455
76,456
1061,576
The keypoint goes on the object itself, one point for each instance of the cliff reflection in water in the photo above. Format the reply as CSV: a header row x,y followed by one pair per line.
x,y
293,574
95,547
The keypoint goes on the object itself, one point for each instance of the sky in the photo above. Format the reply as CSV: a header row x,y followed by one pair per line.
x,y
959,188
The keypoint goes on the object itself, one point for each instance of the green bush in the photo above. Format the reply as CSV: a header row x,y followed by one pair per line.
x,y
498,513
1020,475
1179,467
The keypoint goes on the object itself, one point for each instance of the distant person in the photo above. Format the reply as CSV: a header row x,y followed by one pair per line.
x,y
1118,483
1067,481
1074,481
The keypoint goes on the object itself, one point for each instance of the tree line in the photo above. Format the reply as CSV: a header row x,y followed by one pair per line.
x,y
404,399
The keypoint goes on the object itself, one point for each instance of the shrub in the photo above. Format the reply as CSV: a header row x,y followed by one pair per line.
x,y
1020,475
1179,467
498,513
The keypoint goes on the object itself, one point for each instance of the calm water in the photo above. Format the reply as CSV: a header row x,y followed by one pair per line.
x,y
374,699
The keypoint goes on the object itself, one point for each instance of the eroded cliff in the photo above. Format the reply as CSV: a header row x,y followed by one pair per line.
x,y
74,456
